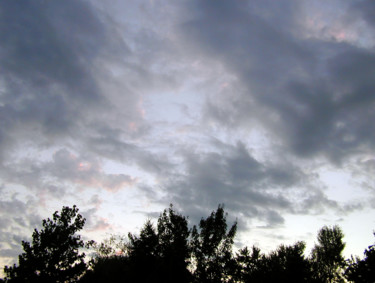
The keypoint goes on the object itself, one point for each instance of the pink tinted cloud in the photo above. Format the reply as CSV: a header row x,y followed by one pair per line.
x,y
140,109
69,167
100,225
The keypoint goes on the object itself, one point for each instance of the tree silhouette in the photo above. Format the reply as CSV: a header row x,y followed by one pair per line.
x,y
288,264
212,248
250,265
53,255
110,263
362,271
174,249
327,259
144,255
158,254
171,252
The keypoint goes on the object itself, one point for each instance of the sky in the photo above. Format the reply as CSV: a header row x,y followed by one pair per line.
x,y
124,107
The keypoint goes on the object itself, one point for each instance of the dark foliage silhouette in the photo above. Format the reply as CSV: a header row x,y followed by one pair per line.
x,y
250,265
362,270
158,254
171,252
212,248
327,260
174,250
53,255
286,264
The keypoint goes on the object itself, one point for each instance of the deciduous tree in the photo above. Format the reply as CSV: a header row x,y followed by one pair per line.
x,y
327,259
212,248
362,270
288,264
54,253
158,254
174,249
250,265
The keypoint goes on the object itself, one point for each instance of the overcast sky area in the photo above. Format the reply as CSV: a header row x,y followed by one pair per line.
x,y
123,107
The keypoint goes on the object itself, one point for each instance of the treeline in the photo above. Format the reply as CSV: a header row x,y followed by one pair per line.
x,y
172,252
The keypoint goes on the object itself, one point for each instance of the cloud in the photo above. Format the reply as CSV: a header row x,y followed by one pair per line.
x,y
46,67
59,80
68,167
95,223
313,95
17,218
62,68
250,188
366,9
65,169
194,103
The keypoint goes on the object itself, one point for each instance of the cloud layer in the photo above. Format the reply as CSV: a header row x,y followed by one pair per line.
x,y
127,108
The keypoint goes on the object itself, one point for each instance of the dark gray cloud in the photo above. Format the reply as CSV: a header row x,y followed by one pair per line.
x,y
47,53
56,61
59,64
115,148
163,90
313,95
250,189
366,10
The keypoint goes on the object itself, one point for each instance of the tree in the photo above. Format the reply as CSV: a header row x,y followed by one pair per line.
x,y
174,249
212,248
110,262
327,259
362,271
143,254
158,254
114,245
250,265
288,264
53,255
165,248
113,268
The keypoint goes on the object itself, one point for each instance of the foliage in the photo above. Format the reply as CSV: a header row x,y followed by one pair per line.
x,y
212,248
113,268
171,252
53,255
250,265
286,264
158,254
174,249
362,271
112,246
327,260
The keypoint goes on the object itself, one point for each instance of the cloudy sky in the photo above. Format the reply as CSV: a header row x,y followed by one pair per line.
x,y
123,107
